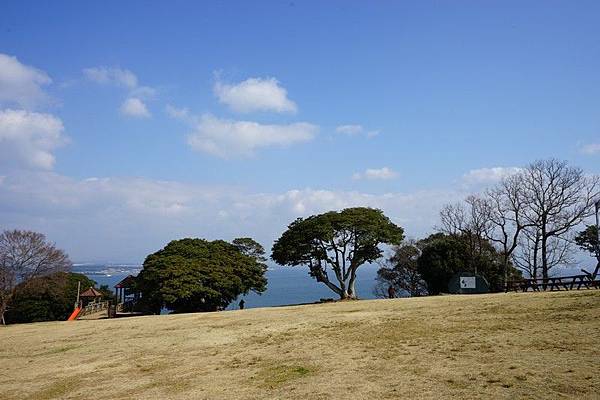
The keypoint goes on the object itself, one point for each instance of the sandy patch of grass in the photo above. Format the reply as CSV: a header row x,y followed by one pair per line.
x,y
278,375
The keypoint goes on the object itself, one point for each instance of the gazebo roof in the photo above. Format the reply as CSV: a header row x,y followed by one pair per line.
x,y
126,282
91,292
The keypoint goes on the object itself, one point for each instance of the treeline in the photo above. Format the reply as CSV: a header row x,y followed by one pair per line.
x,y
526,224
425,267
35,279
49,298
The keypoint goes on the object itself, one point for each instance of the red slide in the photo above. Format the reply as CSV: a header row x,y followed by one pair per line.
x,y
75,314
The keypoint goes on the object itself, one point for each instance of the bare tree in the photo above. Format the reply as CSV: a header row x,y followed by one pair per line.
x,y
558,198
472,220
527,257
507,202
25,255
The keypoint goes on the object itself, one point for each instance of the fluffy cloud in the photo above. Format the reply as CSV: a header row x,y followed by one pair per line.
x,y
143,92
27,139
354,130
21,84
133,217
349,129
376,173
111,75
227,138
590,149
488,175
134,107
255,94
177,113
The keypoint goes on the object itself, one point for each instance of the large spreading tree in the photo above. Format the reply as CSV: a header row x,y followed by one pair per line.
x,y
339,242
191,275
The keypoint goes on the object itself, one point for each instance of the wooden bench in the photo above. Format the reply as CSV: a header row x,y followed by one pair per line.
x,y
574,282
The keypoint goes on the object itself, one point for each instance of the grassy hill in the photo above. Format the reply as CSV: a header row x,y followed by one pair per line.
x,y
537,346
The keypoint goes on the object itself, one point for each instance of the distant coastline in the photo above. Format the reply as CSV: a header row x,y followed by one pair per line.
x,y
286,285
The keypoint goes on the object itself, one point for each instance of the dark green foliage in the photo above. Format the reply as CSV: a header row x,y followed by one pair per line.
x,y
401,272
341,241
587,240
442,256
445,255
191,275
250,247
47,298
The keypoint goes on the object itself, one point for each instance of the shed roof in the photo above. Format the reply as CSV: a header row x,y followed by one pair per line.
x,y
126,282
91,292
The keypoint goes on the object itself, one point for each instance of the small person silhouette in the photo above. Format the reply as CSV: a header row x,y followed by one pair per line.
x,y
242,302
391,292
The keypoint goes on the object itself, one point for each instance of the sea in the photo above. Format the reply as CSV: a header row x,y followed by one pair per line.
x,y
286,285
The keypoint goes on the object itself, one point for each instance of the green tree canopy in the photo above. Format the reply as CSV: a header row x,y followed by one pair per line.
x,y
445,255
250,247
47,298
191,275
337,241
401,271
588,241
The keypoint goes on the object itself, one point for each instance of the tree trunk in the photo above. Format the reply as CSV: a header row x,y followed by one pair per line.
x,y
544,250
544,258
2,311
595,274
535,260
343,289
505,261
335,289
351,285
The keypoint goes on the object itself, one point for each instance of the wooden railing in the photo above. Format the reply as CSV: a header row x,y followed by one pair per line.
x,y
574,282
94,307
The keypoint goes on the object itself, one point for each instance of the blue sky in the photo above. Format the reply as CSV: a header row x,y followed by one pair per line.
x,y
127,124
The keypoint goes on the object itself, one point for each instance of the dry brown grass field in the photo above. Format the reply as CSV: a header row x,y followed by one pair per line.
x,y
534,346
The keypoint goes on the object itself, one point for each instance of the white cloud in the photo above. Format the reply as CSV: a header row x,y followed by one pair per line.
x,y
255,94
355,130
133,217
27,139
488,175
135,103
111,75
143,92
376,173
228,138
177,113
21,84
135,107
350,129
590,149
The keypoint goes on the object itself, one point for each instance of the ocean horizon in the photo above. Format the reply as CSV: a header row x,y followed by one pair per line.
x,y
285,285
